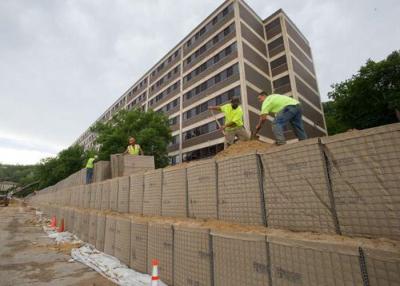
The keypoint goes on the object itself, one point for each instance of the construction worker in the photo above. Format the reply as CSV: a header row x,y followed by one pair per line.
x,y
89,169
133,148
233,121
286,110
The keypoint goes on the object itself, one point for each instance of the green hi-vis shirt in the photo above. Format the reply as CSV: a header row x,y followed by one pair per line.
x,y
90,163
276,102
232,115
134,150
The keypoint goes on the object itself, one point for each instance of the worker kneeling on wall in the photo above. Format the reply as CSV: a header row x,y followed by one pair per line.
x,y
233,126
286,110
133,148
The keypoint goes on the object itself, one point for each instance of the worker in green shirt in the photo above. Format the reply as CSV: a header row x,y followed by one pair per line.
x,y
89,169
286,110
233,126
133,148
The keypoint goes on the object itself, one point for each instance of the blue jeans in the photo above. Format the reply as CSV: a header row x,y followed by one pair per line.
x,y
290,114
89,175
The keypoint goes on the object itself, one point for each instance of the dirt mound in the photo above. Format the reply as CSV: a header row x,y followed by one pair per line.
x,y
243,147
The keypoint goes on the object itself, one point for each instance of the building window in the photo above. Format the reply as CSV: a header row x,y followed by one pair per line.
x,y
222,76
214,60
207,46
202,153
218,100
173,120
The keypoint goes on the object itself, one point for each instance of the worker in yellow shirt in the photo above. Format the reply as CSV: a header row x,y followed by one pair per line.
x,y
286,110
233,126
133,148
89,169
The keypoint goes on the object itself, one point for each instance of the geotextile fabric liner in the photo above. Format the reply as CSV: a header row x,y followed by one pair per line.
x,y
297,262
161,246
98,199
102,171
86,196
192,256
84,233
105,195
93,193
138,253
152,192
364,169
114,194
296,188
383,267
136,192
100,231
174,193
123,239
109,237
123,194
136,164
92,227
202,189
240,194
240,259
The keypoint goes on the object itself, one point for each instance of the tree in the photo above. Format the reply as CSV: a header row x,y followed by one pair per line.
x,y
52,170
333,125
370,98
151,130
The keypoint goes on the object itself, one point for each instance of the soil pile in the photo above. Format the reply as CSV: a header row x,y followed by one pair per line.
x,y
244,147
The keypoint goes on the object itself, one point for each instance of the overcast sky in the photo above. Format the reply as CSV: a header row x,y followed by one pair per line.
x,y
63,62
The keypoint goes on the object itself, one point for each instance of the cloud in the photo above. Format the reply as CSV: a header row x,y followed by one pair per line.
x,y
21,156
64,62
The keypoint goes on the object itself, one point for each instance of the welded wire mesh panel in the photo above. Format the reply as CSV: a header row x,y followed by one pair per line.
x,y
383,267
296,188
152,192
93,193
69,220
239,194
138,259
192,257
114,194
109,238
295,262
77,222
84,232
365,173
202,189
98,199
174,193
100,231
92,227
105,195
160,246
240,259
136,164
136,194
87,190
123,194
123,239
81,196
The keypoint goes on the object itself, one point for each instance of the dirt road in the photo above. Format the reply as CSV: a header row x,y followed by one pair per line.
x,y
28,257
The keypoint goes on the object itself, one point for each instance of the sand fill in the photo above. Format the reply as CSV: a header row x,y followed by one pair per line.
x,y
244,147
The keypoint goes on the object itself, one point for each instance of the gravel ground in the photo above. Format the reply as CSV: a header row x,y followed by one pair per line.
x,y
29,257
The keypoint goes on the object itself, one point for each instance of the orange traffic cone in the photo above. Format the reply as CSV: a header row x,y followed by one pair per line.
x,y
53,223
154,273
61,228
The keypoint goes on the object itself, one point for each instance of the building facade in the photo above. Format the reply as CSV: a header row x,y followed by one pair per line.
x,y
233,52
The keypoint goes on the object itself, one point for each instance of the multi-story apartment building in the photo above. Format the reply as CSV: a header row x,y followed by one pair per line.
x,y
233,52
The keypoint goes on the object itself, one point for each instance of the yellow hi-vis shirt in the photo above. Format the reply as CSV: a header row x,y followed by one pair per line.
x,y
232,115
90,163
134,150
276,102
